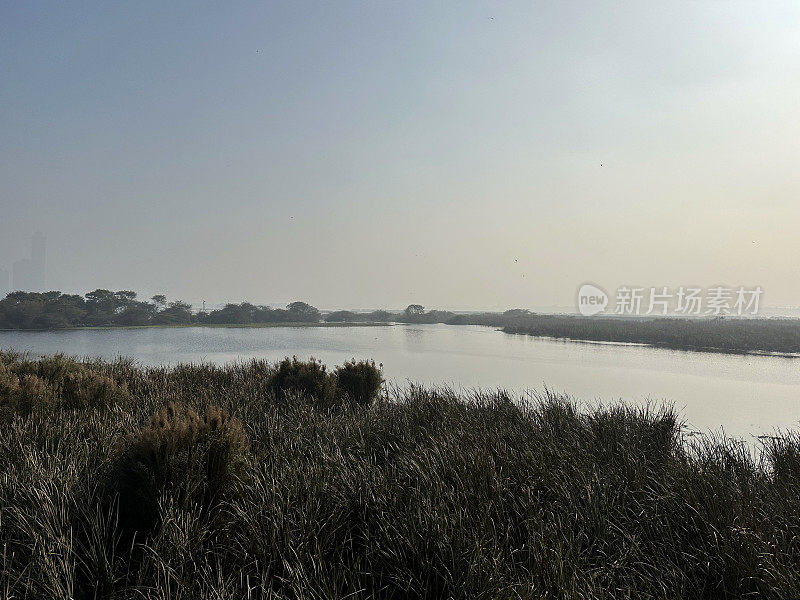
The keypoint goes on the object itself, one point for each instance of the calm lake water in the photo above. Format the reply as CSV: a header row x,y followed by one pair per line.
x,y
747,395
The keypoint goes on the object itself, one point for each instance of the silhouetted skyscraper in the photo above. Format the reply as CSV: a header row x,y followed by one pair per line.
x,y
38,260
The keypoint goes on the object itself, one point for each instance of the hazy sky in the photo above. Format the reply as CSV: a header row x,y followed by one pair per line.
x,y
459,155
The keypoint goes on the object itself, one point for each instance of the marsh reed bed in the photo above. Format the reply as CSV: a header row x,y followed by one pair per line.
x,y
291,480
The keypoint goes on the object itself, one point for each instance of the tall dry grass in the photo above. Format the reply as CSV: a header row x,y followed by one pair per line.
x,y
422,494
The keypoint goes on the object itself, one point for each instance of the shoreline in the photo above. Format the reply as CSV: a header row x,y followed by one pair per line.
x,y
705,349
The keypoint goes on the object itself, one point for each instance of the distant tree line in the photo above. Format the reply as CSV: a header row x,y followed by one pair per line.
x,y
123,308
54,310
104,308
246,313
416,313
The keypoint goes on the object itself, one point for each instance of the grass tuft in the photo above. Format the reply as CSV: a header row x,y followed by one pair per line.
x,y
193,460
359,381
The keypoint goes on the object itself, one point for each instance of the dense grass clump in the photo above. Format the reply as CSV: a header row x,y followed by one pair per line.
x,y
52,383
359,381
22,395
309,378
421,493
190,460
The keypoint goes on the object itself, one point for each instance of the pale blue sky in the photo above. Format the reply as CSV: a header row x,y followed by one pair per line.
x,y
376,154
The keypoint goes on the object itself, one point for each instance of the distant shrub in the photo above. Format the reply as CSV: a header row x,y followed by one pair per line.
x,y
309,378
192,459
359,381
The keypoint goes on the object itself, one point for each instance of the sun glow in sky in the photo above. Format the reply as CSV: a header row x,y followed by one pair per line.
x,y
460,155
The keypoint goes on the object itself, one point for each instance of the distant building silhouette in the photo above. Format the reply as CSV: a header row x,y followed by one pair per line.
x,y
29,273
38,259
